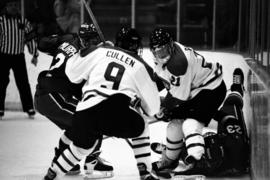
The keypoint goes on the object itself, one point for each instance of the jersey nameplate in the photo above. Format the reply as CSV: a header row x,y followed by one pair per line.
x,y
68,49
121,57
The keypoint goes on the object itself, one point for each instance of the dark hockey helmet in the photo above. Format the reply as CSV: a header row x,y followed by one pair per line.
x,y
129,39
161,45
88,35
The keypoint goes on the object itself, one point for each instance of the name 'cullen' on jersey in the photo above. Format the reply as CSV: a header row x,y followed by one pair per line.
x,y
199,74
107,71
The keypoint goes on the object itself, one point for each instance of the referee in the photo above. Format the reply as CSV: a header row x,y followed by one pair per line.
x,y
13,30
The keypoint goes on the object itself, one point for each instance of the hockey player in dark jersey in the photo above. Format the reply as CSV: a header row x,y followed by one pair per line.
x,y
130,40
226,150
56,97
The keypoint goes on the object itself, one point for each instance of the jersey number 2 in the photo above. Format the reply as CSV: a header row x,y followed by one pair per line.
x,y
59,60
114,73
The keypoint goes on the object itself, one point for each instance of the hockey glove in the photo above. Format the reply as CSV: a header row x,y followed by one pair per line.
x,y
163,115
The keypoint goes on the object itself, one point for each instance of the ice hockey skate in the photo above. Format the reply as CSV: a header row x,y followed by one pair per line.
x,y
51,175
165,167
238,81
96,167
74,171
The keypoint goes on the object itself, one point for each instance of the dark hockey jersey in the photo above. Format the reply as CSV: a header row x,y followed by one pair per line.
x,y
55,79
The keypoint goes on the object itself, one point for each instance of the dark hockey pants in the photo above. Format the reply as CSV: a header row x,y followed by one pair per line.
x,y
111,117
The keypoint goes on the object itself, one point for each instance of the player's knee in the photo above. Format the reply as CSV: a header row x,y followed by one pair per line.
x,y
81,152
174,129
235,98
137,128
192,126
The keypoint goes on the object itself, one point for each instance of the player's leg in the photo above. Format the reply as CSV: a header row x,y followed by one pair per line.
x,y
95,166
55,106
84,143
119,120
202,109
174,145
68,159
22,82
198,113
127,123
232,126
142,153
58,108
4,81
111,117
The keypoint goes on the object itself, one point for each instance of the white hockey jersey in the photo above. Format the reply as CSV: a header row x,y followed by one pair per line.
x,y
109,70
198,75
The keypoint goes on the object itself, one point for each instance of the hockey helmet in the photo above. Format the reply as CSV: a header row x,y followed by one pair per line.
x,y
88,35
129,39
161,45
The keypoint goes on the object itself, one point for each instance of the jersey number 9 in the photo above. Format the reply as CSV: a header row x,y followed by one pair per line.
x,y
114,73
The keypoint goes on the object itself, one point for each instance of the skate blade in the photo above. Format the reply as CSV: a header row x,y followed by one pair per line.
x,y
189,177
182,167
98,175
73,173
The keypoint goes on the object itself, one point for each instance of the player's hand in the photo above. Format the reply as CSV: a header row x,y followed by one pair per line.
x,y
163,115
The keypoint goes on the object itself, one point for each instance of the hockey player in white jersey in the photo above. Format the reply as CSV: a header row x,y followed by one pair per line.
x,y
130,40
195,90
119,85
227,150
56,97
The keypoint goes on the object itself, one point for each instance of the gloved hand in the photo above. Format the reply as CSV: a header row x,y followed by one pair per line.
x,y
163,115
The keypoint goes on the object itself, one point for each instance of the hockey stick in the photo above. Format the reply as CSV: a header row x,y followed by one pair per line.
x,y
101,36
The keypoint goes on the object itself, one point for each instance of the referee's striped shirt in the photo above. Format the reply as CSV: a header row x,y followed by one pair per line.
x,y
12,35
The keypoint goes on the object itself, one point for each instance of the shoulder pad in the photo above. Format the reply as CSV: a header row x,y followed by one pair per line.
x,y
178,63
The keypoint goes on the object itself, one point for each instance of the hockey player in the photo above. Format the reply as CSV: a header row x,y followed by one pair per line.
x,y
117,84
195,91
130,40
56,97
227,149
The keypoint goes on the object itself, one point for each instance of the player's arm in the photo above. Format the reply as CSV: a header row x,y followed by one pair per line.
x,y
78,67
150,100
159,82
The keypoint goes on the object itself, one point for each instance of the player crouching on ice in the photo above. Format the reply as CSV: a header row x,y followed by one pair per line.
x,y
195,91
227,152
224,153
56,97
119,87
